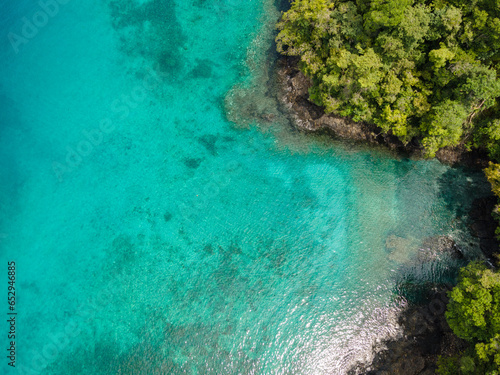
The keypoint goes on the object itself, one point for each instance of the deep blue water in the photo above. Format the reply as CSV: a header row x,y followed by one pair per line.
x,y
154,236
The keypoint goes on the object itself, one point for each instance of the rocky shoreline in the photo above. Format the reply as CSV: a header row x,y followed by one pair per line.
x,y
426,334
293,96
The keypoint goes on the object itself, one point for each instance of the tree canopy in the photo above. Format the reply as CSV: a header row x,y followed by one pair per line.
x,y
425,69
473,314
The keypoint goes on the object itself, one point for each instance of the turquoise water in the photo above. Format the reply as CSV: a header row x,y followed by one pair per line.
x,y
153,236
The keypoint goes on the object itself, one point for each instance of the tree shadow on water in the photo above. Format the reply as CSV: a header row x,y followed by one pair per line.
x,y
458,187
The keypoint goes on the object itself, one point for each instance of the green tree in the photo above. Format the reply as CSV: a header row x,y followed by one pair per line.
x,y
493,175
425,69
443,125
473,314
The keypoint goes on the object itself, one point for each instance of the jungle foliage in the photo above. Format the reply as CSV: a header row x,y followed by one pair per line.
x,y
424,69
473,314
493,175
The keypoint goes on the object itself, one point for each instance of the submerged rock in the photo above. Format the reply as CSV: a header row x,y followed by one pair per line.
x,y
399,248
433,247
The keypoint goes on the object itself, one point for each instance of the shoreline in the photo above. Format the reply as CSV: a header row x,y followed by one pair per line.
x,y
307,117
291,91
425,332
425,335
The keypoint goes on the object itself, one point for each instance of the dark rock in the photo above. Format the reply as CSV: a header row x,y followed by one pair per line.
x,y
192,163
293,95
208,249
167,216
307,116
489,247
408,365
426,335
483,225
208,141
428,372
433,247
203,69
480,228
267,117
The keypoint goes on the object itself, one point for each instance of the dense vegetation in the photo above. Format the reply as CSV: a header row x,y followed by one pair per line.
x,y
474,315
424,69
493,176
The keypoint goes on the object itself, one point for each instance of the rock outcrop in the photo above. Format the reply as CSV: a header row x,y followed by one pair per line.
x,y
293,96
